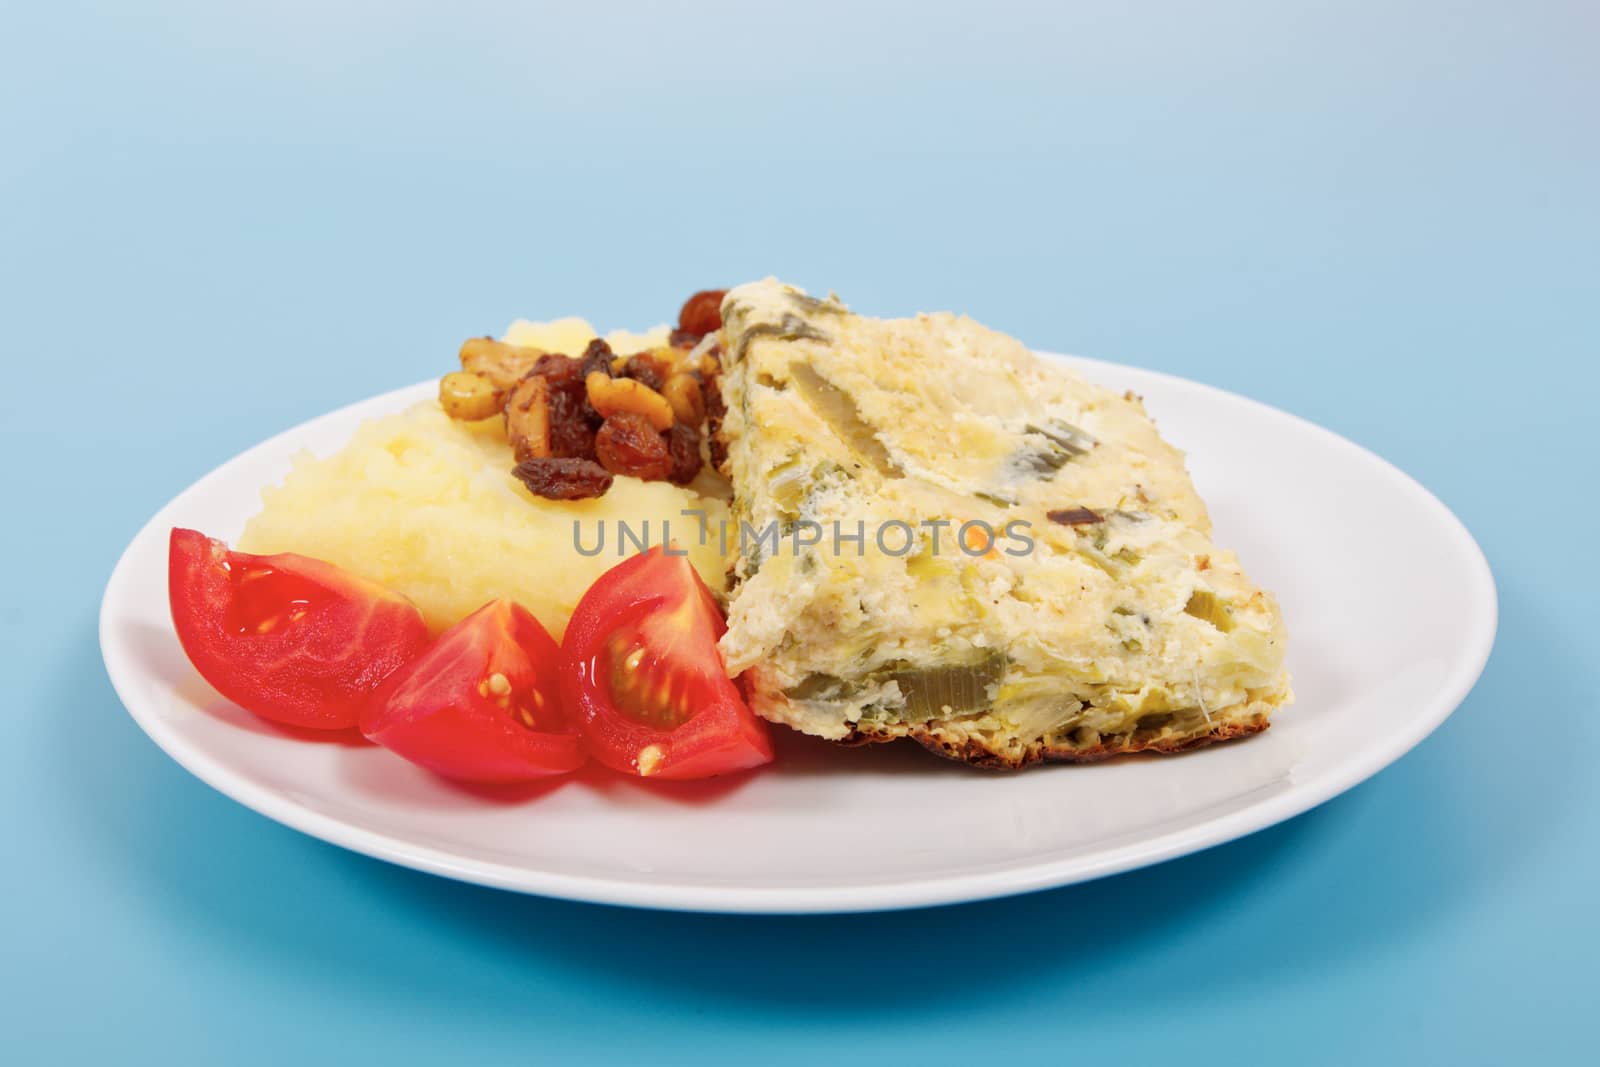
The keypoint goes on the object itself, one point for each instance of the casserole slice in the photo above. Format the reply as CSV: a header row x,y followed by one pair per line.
x,y
941,537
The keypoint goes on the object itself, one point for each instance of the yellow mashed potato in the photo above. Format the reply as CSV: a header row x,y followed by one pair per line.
x,y
428,507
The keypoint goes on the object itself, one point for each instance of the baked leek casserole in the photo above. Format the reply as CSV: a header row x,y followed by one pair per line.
x,y
945,538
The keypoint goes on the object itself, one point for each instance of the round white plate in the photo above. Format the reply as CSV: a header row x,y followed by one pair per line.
x,y
1391,612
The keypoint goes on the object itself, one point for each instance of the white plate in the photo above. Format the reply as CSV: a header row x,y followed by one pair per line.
x,y
1391,611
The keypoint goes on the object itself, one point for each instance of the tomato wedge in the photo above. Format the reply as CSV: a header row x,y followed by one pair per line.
x,y
645,679
482,703
287,637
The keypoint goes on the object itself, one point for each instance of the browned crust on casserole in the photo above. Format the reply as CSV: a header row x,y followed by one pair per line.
x,y
972,750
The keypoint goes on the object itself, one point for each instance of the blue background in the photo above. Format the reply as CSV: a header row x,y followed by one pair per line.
x,y
218,220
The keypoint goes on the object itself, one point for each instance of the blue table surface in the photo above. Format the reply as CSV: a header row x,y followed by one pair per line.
x,y
219,220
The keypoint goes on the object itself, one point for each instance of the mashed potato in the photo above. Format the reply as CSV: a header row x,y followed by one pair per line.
x,y
428,507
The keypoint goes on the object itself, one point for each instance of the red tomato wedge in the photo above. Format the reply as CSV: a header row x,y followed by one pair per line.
x,y
482,703
287,637
645,679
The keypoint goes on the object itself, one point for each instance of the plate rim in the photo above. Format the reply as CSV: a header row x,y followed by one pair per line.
x,y
861,897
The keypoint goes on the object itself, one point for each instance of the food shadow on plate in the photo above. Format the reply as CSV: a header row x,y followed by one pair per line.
x,y
798,755
236,717
387,778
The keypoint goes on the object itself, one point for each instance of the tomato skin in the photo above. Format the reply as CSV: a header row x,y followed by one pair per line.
x,y
442,711
649,626
287,637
